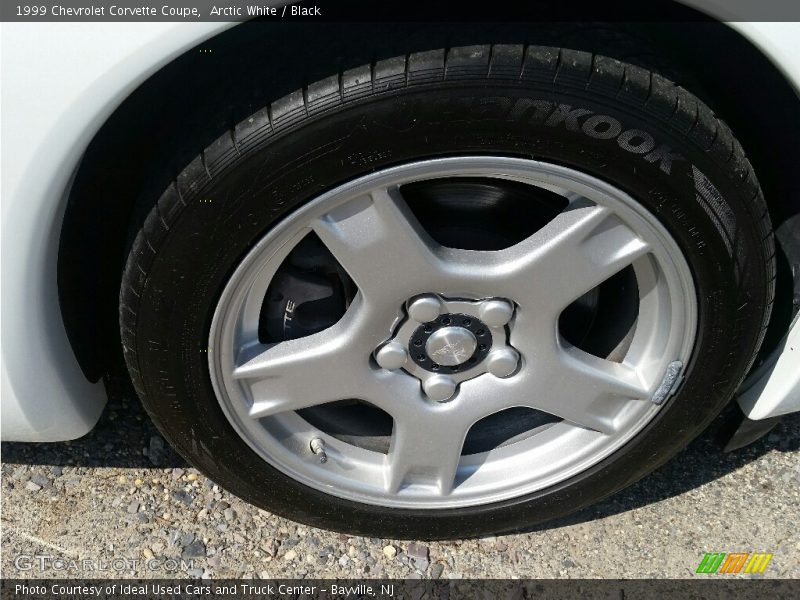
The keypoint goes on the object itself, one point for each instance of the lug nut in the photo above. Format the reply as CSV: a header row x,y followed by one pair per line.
x,y
496,312
425,309
439,388
502,362
391,356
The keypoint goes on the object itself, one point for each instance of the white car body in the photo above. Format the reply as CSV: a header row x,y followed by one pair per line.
x,y
57,91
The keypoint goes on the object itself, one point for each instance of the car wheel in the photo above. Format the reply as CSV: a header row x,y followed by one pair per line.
x,y
452,293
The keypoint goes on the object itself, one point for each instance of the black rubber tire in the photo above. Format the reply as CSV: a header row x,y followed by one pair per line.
x,y
614,120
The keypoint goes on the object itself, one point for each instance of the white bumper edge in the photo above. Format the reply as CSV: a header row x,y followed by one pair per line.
x,y
33,422
67,79
774,388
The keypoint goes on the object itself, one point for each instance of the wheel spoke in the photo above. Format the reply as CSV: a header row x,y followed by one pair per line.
x,y
296,374
425,450
587,390
379,243
579,249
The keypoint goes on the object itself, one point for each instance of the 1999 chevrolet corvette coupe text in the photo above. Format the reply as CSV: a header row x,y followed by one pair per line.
x,y
404,279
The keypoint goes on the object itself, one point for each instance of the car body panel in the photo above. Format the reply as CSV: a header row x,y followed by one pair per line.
x,y
778,42
60,89
774,389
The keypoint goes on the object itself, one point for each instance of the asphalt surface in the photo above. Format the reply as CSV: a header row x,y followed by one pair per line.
x,y
120,503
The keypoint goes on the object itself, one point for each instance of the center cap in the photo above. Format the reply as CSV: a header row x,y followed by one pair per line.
x,y
451,346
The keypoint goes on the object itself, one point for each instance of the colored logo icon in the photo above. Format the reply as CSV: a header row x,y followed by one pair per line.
x,y
734,562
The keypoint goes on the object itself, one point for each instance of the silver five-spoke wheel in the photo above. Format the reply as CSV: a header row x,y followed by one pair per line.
x,y
440,338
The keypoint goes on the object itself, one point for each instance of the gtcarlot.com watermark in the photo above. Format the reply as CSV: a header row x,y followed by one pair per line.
x,y
46,562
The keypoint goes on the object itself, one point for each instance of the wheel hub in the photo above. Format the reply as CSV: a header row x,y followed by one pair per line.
x,y
451,346
445,341
451,343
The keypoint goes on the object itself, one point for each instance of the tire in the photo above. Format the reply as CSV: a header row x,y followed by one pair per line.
x,y
613,121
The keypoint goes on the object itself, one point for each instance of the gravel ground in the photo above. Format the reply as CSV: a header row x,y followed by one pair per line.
x,y
121,493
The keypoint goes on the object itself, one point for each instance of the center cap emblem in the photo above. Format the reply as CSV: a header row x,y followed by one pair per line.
x,y
451,346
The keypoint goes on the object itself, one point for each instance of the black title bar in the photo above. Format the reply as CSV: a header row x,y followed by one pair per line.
x,y
39,11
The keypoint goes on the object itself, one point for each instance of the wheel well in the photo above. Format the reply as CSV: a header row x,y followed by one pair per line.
x,y
190,102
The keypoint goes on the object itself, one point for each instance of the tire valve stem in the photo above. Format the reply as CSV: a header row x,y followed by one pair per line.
x,y
318,448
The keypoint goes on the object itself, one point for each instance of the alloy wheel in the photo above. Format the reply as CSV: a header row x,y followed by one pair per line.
x,y
448,337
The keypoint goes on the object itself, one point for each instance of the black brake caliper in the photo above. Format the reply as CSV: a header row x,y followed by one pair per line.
x,y
309,293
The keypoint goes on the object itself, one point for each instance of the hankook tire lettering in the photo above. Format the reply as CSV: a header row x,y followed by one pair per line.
x,y
602,127
597,126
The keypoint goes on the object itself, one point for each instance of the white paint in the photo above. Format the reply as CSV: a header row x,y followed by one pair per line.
x,y
774,389
60,82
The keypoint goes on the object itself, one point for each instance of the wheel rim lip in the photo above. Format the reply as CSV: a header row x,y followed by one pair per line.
x,y
282,440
